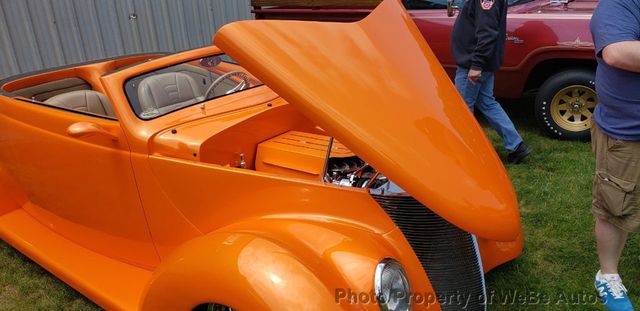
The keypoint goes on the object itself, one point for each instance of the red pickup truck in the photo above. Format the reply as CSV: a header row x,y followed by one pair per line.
x,y
549,50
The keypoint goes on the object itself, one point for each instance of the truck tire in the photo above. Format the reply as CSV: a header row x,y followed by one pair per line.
x,y
565,103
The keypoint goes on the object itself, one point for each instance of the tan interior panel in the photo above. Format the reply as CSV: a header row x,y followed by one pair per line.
x,y
44,91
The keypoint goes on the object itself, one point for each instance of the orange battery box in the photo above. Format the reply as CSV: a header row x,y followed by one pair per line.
x,y
298,154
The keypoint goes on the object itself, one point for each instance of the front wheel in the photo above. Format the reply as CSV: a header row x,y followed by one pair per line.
x,y
565,103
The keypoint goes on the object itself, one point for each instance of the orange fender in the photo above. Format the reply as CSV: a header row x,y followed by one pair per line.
x,y
270,264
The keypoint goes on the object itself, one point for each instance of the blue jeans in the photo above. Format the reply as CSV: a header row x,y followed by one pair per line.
x,y
480,96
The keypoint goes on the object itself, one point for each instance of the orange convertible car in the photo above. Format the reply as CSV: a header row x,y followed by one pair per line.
x,y
336,169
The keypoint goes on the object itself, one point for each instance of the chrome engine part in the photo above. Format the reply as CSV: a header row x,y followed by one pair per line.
x,y
353,172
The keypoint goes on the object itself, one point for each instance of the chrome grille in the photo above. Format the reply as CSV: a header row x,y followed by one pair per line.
x,y
448,254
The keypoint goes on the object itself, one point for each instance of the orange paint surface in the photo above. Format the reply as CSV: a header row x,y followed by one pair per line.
x,y
161,215
381,91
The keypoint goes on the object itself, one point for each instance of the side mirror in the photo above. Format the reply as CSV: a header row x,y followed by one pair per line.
x,y
86,129
451,9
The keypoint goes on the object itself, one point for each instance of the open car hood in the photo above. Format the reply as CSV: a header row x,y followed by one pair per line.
x,y
379,89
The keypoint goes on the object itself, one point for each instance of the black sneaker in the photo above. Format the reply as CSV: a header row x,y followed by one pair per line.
x,y
521,152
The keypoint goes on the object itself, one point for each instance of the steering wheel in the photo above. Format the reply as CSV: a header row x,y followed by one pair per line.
x,y
243,84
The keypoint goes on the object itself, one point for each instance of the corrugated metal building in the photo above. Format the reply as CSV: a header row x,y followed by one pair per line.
x,y
38,34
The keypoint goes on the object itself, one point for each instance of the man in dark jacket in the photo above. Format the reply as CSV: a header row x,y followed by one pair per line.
x,y
477,42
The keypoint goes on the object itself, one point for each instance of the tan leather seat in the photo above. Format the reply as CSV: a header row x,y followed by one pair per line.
x,y
84,100
165,92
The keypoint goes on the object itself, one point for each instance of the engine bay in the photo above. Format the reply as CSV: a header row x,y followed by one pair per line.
x,y
274,139
315,157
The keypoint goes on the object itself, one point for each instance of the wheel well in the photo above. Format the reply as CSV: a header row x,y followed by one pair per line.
x,y
201,307
211,306
545,69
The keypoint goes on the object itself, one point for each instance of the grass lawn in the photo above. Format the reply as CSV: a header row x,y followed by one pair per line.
x,y
558,263
555,271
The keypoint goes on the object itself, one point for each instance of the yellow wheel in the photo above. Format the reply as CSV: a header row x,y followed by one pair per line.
x,y
572,107
565,104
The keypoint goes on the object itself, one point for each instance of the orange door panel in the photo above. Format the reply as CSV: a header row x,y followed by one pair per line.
x,y
75,170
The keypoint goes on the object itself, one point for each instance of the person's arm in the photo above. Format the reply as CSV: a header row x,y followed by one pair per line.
x,y
624,55
616,34
487,32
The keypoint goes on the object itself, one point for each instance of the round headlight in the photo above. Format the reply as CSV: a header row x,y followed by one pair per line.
x,y
392,286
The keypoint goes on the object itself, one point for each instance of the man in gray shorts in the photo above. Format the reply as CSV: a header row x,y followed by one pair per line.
x,y
616,141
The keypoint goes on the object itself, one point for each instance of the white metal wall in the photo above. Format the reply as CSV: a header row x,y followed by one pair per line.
x,y
38,34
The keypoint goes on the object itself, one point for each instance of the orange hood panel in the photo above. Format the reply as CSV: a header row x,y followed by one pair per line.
x,y
379,89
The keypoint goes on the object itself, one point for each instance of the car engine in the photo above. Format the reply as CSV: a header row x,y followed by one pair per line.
x,y
353,172
306,155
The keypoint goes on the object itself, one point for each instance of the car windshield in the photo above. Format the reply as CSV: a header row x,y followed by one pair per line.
x,y
162,91
442,4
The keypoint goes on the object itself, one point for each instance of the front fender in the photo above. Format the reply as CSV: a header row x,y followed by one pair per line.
x,y
240,270
271,264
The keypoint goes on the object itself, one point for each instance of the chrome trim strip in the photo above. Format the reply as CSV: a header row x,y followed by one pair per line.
x,y
484,285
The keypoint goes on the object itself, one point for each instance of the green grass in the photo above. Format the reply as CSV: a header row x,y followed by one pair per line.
x,y
558,262
26,286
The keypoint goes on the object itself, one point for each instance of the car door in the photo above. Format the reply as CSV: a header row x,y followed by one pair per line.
x,y
75,170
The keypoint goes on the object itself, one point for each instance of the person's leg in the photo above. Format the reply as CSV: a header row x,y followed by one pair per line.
x,y
615,206
468,91
497,117
610,243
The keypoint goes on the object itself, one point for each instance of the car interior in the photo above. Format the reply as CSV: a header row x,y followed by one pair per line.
x,y
161,91
152,94
70,93
72,88
44,91
83,100
164,91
